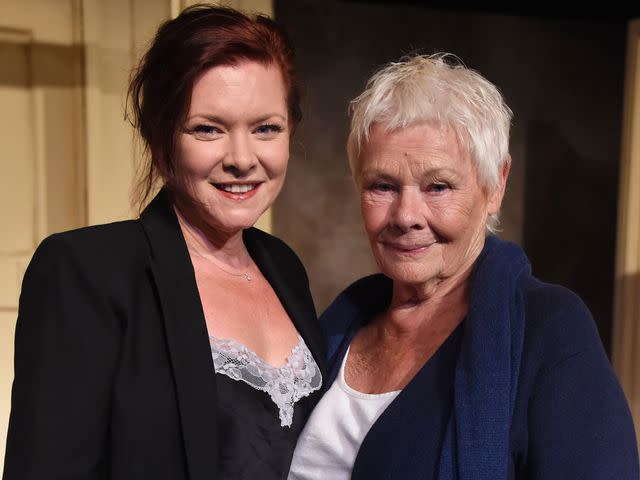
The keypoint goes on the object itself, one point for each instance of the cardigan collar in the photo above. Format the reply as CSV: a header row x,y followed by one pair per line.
x,y
186,331
476,445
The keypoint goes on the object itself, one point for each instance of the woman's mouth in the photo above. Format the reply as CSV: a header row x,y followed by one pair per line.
x,y
238,191
408,248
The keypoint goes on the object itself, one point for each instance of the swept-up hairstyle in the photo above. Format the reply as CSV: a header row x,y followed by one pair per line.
x,y
436,88
159,96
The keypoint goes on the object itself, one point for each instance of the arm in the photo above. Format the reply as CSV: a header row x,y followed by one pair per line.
x,y
66,348
579,422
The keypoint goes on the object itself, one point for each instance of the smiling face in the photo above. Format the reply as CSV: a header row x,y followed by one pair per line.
x,y
423,207
234,145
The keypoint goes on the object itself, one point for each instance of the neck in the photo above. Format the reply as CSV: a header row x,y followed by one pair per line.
x,y
427,309
205,240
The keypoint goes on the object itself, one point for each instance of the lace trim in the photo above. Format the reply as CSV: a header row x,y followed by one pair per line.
x,y
297,378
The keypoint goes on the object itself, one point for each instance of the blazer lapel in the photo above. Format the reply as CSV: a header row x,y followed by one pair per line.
x,y
301,312
187,337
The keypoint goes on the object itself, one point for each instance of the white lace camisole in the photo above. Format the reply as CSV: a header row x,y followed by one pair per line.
x,y
286,384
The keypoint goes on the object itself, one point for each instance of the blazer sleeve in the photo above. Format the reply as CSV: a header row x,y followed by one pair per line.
x,y
579,422
66,348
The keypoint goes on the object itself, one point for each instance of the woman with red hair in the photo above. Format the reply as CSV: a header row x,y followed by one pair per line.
x,y
183,344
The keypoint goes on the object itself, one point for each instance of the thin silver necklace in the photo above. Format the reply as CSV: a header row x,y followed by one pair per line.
x,y
246,275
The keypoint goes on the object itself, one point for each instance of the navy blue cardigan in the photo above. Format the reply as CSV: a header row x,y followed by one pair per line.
x,y
534,395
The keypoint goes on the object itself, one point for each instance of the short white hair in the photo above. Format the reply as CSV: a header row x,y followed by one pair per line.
x,y
437,88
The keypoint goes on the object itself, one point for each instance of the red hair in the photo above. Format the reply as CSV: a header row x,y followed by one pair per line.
x,y
201,37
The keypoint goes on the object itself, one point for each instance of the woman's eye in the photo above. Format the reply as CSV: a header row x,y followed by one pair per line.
x,y
268,129
381,187
438,187
205,131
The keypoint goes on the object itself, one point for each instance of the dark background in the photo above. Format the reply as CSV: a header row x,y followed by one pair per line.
x,y
562,73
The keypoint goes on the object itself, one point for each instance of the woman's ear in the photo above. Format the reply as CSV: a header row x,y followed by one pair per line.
x,y
495,198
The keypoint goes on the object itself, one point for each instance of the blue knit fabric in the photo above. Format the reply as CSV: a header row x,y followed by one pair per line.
x,y
486,376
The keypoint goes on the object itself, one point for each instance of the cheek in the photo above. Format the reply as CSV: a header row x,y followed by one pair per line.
x,y
465,229
195,158
276,158
456,216
374,214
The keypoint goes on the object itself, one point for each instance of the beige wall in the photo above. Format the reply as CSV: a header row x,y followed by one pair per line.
x,y
114,33
68,154
42,184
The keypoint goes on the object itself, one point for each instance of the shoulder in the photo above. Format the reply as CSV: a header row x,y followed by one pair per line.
x,y
89,270
558,323
94,250
545,299
561,342
97,238
569,399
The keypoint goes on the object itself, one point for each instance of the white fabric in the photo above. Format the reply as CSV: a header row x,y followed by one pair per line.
x,y
329,442
297,378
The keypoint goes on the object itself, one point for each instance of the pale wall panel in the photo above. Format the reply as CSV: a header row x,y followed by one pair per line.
x,y
50,20
116,34
62,177
110,161
17,180
42,185
7,328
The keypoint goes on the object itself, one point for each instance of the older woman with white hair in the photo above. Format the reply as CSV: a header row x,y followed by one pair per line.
x,y
454,362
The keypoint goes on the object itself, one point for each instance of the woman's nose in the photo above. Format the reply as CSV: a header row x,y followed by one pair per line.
x,y
409,210
240,158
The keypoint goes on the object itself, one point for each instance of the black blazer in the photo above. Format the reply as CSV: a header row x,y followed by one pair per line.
x,y
113,370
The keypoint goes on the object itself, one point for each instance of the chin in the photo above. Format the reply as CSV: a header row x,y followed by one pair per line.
x,y
410,274
243,225
231,225
412,279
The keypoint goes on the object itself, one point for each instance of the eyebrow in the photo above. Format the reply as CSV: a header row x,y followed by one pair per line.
x,y
221,121
378,172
